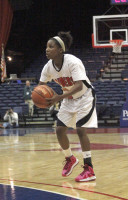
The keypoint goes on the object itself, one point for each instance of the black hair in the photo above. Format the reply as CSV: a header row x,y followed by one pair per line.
x,y
67,39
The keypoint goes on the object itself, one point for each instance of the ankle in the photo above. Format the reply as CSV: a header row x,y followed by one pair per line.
x,y
67,153
88,162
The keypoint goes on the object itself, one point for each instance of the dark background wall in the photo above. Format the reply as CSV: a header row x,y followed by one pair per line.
x,y
35,21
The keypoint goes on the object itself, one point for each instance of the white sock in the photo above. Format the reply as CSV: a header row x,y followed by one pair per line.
x,y
67,152
86,154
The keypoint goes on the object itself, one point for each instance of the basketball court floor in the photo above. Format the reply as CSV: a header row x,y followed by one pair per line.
x,y
31,162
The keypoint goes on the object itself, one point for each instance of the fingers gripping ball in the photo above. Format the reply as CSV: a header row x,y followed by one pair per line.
x,y
39,95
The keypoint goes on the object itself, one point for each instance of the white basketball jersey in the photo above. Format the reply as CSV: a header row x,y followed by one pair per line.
x,y
72,70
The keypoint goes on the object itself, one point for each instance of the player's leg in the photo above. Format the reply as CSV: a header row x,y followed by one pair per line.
x,y
86,118
62,138
85,145
84,140
70,160
88,173
66,118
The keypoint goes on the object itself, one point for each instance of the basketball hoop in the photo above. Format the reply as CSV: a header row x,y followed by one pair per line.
x,y
117,44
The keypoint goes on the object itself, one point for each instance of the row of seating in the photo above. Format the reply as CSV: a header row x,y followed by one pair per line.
x,y
111,95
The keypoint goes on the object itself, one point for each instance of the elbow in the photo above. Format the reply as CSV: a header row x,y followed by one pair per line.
x,y
78,86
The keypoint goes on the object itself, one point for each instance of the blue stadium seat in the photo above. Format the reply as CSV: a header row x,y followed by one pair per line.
x,y
12,104
14,98
18,101
18,110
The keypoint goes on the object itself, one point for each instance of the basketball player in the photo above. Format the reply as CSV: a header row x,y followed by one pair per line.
x,y
78,106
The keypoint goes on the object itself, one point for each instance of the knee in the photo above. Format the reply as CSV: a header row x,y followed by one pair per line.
x,y
81,131
60,130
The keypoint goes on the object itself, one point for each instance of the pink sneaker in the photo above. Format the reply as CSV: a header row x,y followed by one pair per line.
x,y
71,162
86,175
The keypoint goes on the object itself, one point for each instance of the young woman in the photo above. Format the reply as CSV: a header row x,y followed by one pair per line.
x,y
78,106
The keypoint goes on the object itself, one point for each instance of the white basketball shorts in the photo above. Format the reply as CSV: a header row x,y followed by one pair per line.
x,y
80,112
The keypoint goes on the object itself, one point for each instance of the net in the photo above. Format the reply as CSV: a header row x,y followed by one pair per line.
x,y
117,44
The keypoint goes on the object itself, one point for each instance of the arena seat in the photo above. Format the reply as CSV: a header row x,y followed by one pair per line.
x,y
18,110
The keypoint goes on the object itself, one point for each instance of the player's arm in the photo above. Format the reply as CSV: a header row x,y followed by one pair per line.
x,y
78,85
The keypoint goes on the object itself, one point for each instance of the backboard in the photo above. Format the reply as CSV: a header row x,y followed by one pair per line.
x,y
109,27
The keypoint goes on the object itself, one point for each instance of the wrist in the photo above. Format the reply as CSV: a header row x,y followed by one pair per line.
x,y
64,95
60,97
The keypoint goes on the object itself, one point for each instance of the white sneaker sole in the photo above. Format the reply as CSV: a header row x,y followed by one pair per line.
x,y
87,179
77,161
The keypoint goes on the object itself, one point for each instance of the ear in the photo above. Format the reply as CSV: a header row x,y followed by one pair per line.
x,y
61,50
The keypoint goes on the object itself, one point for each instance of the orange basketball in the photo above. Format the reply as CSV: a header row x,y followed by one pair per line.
x,y
39,95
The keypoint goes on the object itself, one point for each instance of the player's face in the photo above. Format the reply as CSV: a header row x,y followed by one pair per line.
x,y
53,50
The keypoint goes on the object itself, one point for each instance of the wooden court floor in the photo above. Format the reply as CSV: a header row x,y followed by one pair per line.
x,y
32,158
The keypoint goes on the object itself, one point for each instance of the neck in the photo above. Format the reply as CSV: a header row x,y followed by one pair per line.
x,y
58,61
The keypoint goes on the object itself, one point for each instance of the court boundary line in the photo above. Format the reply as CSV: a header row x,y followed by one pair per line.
x,y
54,185
107,147
44,191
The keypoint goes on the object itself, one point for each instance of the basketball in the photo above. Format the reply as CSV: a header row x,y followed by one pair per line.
x,y
39,95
